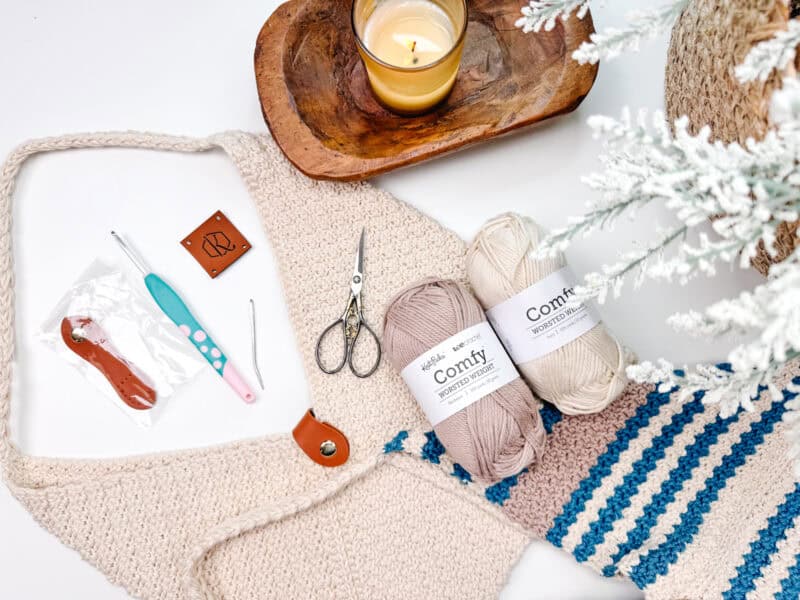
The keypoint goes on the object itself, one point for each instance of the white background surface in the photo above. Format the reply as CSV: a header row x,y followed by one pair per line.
x,y
186,67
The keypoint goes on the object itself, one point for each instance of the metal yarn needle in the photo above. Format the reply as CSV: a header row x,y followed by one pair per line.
x,y
253,342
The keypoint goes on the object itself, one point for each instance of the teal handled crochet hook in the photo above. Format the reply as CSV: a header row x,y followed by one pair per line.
x,y
172,306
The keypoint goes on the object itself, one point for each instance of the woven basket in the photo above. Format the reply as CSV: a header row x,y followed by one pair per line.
x,y
708,41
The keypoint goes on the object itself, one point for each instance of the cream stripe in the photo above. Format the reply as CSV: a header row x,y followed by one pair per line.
x,y
769,584
741,510
648,489
691,487
618,471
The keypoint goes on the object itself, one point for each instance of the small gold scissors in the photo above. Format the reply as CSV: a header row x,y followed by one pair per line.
x,y
351,321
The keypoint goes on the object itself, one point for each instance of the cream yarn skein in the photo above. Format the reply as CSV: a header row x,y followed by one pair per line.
x,y
495,437
583,376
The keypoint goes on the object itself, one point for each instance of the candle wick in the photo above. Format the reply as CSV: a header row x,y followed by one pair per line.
x,y
415,60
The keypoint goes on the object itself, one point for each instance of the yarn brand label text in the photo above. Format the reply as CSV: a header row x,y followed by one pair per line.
x,y
458,372
557,302
463,366
432,361
542,318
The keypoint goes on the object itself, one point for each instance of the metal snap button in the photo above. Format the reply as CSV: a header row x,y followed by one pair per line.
x,y
327,448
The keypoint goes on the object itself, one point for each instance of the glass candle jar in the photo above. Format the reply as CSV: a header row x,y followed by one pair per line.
x,y
411,49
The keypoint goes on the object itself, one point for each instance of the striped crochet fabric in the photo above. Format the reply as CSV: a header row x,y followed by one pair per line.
x,y
684,503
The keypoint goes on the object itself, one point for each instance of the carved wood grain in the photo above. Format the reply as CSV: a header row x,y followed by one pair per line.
x,y
317,103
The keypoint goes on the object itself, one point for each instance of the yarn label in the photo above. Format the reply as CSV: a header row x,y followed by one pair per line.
x,y
542,318
458,372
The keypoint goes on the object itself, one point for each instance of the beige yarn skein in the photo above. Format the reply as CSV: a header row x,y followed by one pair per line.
x,y
501,433
583,376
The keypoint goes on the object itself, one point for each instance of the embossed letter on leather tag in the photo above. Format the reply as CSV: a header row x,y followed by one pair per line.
x,y
216,244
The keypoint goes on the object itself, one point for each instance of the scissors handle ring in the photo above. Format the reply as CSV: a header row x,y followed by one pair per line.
x,y
352,346
345,354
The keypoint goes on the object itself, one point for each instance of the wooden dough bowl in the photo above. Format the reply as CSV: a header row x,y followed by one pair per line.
x,y
318,105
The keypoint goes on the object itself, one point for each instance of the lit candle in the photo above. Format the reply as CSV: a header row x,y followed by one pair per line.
x,y
411,49
409,33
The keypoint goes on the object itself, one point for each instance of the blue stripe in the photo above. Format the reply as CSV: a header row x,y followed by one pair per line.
x,y
669,489
461,474
621,498
790,586
761,550
396,444
433,449
605,462
501,491
550,416
658,561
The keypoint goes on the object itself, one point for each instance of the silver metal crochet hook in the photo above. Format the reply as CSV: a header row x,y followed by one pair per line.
x,y
253,342
131,254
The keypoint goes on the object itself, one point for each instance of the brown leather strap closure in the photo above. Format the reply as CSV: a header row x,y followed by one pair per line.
x,y
87,339
322,442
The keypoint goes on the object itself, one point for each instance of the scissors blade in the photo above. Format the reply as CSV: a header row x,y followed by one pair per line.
x,y
358,271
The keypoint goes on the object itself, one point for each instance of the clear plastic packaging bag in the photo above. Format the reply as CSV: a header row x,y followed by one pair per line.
x,y
119,340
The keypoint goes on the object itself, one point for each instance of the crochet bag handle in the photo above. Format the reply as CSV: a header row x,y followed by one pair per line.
x,y
286,202
8,176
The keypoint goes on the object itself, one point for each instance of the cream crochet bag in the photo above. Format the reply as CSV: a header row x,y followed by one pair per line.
x,y
258,519
657,489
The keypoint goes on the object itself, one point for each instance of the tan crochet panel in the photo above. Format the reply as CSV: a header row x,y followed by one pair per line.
x,y
708,41
257,518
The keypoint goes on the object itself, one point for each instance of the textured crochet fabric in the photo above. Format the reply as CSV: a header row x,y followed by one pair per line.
x,y
708,41
685,504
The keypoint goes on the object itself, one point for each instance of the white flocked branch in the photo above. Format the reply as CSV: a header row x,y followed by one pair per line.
x,y
641,25
743,191
542,14
771,54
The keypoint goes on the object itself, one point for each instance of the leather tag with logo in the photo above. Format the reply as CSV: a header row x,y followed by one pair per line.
x,y
216,244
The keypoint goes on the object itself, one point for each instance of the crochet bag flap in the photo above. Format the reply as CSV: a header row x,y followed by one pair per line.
x,y
258,518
